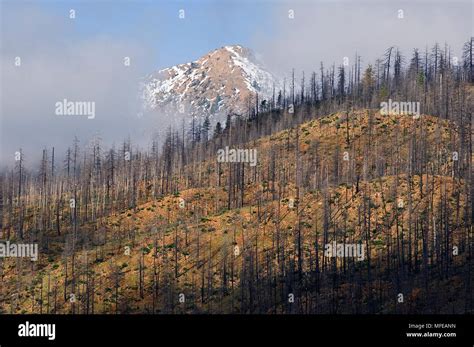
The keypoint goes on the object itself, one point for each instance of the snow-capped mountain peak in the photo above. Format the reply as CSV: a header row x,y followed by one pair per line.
x,y
219,83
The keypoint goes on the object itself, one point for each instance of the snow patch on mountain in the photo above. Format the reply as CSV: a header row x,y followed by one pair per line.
x,y
222,82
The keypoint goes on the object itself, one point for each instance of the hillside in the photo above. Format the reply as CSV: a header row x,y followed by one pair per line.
x,y
242,239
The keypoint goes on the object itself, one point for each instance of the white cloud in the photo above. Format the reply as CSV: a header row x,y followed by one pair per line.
x,y
56,64
329,30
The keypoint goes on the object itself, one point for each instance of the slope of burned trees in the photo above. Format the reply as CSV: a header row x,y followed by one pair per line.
x,y
171,230
410,223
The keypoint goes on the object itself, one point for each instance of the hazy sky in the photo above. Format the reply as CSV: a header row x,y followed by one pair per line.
x,y
82,59
330,30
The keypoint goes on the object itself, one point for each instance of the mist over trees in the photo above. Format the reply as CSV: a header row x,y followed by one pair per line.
x,y
406,195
